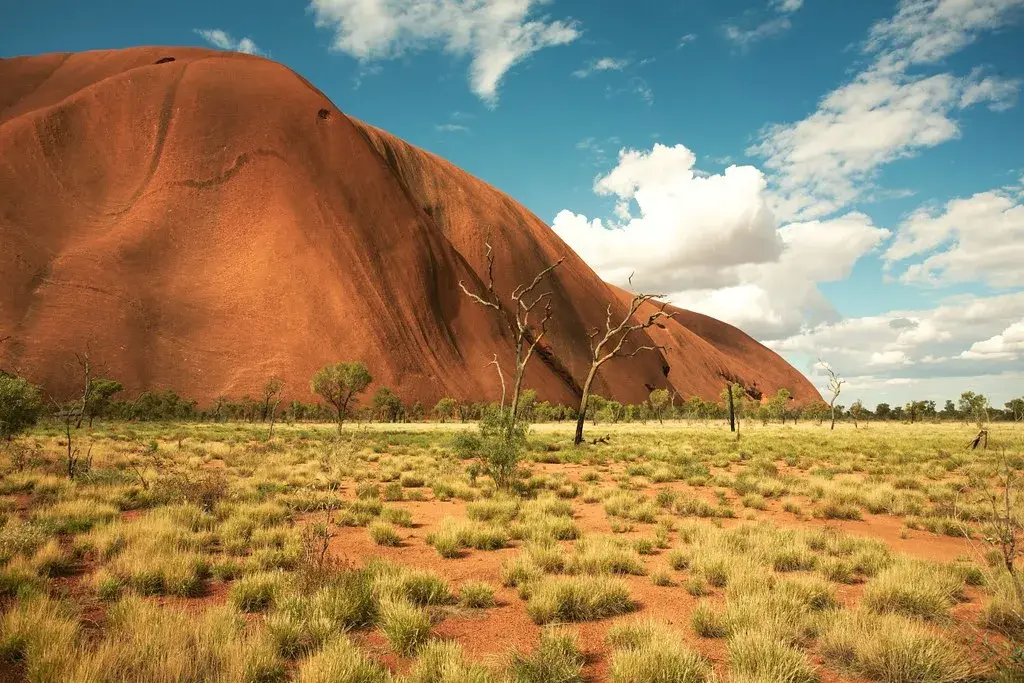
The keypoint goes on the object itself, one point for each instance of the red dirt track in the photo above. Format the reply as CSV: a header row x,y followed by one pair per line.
x,y
207,222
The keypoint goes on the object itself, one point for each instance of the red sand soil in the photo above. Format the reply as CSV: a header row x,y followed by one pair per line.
x,y
207,222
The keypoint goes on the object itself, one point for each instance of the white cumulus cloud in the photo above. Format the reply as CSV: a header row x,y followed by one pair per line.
x,y
977,239
496,34
1007,345
781,297
688,225
711,243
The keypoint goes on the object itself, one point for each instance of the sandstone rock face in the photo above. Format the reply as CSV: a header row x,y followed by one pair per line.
x,y
204,220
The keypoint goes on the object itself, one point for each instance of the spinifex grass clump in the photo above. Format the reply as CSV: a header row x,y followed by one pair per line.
x,y
914,588
258,592
577,598
453,536
443,661
341,660
757,656
646,652
148,643
476,594
556,658
894,648
420,587
406,626
384,533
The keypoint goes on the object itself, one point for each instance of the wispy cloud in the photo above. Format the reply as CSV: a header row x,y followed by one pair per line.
x,y
686,40
458,122
635,86
363,72
744,37
223,40
787,5
603,64
451,128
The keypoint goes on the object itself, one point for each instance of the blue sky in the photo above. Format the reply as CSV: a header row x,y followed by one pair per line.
x,y
843,180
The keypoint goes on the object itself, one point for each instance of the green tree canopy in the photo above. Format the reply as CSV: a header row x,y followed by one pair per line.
x,y
339,384
974,406
387,406
101,393
21,403
445,409
659,400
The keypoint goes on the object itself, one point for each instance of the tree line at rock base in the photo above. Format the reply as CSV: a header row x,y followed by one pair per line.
x,y
22,404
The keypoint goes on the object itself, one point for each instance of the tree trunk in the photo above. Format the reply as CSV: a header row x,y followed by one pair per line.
x,y
833,407
520,371
582,416
273,418
732,410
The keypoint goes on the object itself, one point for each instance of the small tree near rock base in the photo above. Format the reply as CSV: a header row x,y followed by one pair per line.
x,y
734,396
445,409
658,400
339,385
21,404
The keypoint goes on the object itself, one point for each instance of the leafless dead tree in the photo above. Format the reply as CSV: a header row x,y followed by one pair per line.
x,y
526,337
85,365
610,345
835,386
1005,530
70,414
273,417
1007,526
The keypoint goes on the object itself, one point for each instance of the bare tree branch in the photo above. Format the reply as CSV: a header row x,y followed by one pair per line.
x,y
478,299
643,348
501,376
